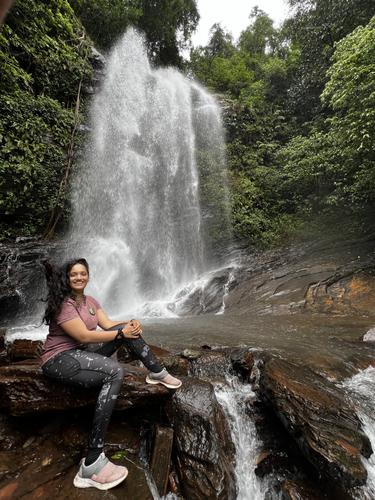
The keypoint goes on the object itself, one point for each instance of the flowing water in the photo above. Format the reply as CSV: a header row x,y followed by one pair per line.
x,y
361,389
142,216
233,396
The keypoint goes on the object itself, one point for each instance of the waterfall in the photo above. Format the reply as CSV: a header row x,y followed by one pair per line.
x,y
233,397
361,390
143,212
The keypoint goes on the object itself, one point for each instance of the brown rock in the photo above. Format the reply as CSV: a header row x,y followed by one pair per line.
x,y
2,339
202,442
24,389
319,418
350,293
211,364
161,458
243,361
24,349
299,490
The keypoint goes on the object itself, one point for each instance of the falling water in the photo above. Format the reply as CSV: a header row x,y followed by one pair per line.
x,y
362,387
143,216
233,396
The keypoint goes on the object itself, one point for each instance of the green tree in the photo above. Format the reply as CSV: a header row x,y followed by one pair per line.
x,y
260,36
220,42
316,26
106,20
167,24
334,166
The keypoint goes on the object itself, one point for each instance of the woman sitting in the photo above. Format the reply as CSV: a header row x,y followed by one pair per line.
x,y
76,353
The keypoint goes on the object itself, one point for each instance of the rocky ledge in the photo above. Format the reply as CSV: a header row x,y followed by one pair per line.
x,y
311,438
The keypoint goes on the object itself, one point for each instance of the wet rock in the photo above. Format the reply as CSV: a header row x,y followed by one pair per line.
x,y
161,458
319,418
2,339
343,293
24,349
21,277
369,336
243,361
97,60
269,462
190,354
24,389
176,365
10,436
204,296
299,490
211,365
203,446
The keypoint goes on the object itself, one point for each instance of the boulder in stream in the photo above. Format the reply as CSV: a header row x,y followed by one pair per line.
x,y
205,452
319,418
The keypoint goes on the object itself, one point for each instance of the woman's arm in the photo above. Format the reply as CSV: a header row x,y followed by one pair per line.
x,y
106,323
76,328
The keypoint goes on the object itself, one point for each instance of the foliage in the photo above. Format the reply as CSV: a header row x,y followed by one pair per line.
x,y
334,165
106,20
38,44
288,161
33,143
316,26
43,58
167,24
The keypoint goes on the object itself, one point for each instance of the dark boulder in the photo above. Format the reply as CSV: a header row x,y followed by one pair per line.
x,y
319,418
205,452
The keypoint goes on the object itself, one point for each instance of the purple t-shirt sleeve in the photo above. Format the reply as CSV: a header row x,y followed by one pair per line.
x,y
68,311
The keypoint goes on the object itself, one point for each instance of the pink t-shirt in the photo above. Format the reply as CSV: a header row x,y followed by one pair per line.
x,y
59,341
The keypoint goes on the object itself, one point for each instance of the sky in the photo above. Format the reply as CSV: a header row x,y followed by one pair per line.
x,y
233,15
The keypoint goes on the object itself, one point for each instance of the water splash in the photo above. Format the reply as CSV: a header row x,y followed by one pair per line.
x,y
361,389
138,216
233,396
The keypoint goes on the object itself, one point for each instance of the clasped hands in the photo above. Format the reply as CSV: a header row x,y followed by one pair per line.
x,y
132,329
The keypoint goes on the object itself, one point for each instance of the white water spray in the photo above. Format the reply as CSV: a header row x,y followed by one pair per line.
x,y
362,388
137,210
233,397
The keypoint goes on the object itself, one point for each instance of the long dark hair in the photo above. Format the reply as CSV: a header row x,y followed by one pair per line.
x,y
58,289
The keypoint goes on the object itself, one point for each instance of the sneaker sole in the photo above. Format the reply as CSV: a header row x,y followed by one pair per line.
x,y
155,382
81,482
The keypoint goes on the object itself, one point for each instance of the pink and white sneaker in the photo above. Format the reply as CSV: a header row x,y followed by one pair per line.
x,y
168,380
102,474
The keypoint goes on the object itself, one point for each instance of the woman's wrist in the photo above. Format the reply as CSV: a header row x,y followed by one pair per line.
x,y
120,334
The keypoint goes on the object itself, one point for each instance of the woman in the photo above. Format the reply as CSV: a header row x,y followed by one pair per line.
x,y
76,353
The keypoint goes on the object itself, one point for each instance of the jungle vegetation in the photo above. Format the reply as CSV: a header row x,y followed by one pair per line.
x,y
298,106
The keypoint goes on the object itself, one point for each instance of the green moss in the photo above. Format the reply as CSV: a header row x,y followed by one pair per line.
x,y
43,58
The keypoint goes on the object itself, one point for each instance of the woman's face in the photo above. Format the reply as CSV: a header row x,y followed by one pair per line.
x,y
78,278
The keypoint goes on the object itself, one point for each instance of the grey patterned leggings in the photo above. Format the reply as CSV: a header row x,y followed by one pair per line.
x,y
90,367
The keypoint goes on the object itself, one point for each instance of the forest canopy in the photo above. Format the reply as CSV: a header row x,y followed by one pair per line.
x,y
298,105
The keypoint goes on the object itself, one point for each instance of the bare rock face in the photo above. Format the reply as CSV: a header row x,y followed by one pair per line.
x,y
343,293
204,449
320,420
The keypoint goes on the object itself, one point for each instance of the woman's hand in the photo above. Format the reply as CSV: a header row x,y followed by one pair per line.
x,y
133,329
